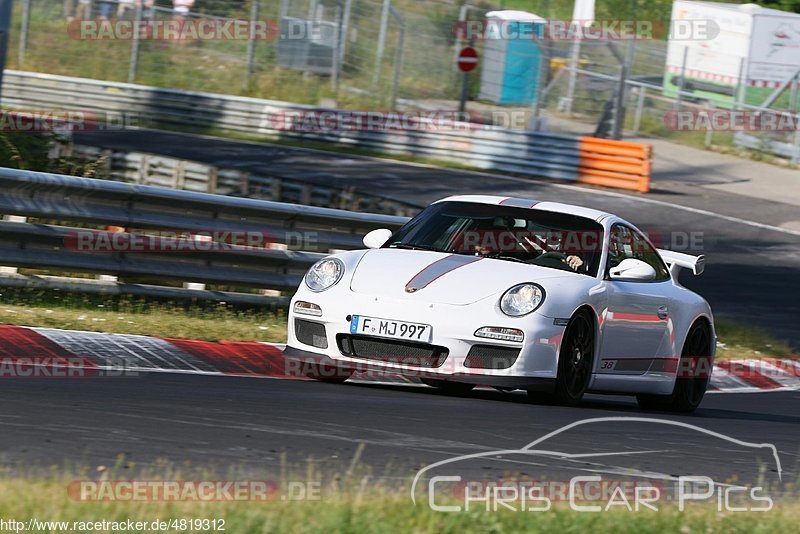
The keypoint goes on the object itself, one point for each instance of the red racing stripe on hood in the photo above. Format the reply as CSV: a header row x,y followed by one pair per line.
x,y
438,269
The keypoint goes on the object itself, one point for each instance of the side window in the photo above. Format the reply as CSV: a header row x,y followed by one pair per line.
x,y
625,243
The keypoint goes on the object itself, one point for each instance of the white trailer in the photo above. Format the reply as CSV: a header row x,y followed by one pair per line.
x,y
754,46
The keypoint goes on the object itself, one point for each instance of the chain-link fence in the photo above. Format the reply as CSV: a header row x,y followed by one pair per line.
x,y
388,49
366,54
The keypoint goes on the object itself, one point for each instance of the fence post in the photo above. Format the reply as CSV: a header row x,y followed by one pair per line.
x,y
637,117
5,26
682,84
381,41
337,56
793,104
741,86
134,66
23,32
251,43
398,55
574,59
709,132
462,101
348,5
619,104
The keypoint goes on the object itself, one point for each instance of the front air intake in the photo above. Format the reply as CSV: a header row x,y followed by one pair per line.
x,y
491,357
310,333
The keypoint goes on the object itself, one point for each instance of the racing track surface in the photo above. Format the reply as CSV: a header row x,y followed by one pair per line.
x,y
218,422
751,274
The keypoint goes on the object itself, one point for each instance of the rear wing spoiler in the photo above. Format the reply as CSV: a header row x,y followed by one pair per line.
x,y
679,260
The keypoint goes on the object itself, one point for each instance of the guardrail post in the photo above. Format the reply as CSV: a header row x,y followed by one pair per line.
x,y
180,175
305,195
275,189
273,292
196,285
245,184
213,177
17,219
144,169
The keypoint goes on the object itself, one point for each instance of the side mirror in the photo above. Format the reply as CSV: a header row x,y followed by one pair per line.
x,y
633,271
377,238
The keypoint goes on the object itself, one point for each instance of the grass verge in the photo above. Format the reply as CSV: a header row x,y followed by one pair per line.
x,y
735,342
129,315
221,322
368,509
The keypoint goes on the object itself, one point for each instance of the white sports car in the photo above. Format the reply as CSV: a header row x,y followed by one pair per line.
x,y
555,299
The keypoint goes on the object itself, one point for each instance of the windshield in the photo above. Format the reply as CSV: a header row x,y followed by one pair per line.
x,y
535,237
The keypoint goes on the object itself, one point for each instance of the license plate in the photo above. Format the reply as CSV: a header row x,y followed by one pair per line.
x,y
373,326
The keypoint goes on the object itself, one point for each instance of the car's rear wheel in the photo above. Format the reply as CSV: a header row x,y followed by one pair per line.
x,y
689,390
327,373
575,361
448,386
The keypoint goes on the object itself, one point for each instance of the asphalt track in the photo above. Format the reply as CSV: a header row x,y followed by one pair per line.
x,y
249,423
751,245
221,423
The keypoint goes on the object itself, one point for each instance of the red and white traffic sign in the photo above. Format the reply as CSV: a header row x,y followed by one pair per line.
x,y
467,59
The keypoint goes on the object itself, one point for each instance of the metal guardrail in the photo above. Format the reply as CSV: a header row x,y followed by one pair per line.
x,y
162,171
536,154
296,236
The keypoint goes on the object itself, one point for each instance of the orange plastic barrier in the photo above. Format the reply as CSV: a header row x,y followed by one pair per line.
x,y
610,163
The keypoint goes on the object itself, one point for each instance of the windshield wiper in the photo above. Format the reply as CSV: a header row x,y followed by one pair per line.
x,y
413,246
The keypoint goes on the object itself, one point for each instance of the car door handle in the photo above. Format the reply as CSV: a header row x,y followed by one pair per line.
x,y
663,312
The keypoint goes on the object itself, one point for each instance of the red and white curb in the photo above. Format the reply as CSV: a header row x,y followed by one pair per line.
x,y
133,353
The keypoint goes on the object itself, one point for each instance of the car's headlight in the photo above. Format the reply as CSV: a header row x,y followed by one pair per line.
x,y
521,300
324,274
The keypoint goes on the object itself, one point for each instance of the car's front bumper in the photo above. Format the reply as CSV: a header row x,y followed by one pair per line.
x,y
453,329
303,363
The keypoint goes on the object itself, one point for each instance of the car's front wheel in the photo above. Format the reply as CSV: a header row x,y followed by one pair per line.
x,y
575,361
448,386
692,380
